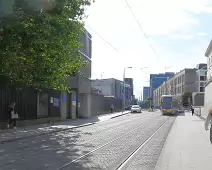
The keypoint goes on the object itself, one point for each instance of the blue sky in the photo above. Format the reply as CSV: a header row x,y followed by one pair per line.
x,y
179,31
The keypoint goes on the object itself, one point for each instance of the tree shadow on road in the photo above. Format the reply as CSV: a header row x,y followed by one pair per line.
x,y
51,151
35,130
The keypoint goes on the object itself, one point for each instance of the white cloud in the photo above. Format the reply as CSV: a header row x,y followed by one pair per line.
x,y
113,21
167,16
202,34
183,37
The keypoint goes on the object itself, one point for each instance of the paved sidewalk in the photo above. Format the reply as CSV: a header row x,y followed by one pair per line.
x,y
187,146
36,130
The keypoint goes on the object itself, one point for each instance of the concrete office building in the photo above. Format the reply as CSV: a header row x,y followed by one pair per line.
x,y
156,80
208,85
81,82
113,87
145,93
184,81
201,76
130,92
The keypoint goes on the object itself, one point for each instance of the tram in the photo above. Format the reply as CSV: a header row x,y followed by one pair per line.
x,y
166,103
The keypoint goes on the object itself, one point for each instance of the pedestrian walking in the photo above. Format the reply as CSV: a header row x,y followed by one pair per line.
x,y
192,110
111,108
209,121
13,115
152,107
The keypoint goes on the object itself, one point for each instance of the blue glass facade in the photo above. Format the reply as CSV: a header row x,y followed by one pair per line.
x,y
156,80
145,93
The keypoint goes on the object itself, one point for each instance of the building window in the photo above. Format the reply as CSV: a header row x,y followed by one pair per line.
x,y
202,78
202,89
183,78
202,84
203,73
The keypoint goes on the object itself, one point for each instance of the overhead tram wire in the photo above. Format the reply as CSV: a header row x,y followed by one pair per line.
x,y
103,38
145,35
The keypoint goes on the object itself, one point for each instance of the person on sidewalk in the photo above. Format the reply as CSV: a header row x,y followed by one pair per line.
x,y
111,108
209,121
192,110
13,115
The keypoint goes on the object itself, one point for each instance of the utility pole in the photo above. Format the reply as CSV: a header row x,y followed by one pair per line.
x,y
167,68
124,88
101,75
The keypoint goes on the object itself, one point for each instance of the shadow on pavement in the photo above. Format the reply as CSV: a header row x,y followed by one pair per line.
x,y
51,151
36,130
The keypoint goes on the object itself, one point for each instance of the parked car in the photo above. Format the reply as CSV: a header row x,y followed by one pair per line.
x,y
128,107
136,108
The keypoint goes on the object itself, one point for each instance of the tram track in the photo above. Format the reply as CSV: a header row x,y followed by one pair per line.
x,y
139,147
126,159
26,147
90,149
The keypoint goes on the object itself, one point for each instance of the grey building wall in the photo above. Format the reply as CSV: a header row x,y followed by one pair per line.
x,y
84,110
81,82
86,71
208,87
190,80
112,87
97,104
86,53
184,81
130,90
101,104
84,85
201,77
208,98
107,86
198,99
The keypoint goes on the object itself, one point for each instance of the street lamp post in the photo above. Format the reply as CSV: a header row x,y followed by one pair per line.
x,y
142,69
167,67
101,75
124,86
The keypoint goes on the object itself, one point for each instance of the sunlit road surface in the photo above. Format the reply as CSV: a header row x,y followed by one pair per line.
x,y
132,141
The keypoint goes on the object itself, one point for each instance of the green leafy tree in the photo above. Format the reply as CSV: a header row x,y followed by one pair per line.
x,y
186,98
39,46
148,102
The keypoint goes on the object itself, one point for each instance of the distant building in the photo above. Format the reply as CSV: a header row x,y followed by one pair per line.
x,y
129,92
184,81
156,80
208,85
201,77
145,93
113,87
96,91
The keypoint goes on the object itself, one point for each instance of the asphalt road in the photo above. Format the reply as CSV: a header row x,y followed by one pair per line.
x,y
133,141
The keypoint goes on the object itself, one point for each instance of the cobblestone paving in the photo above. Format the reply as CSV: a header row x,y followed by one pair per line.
x,y
54,150
146,158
